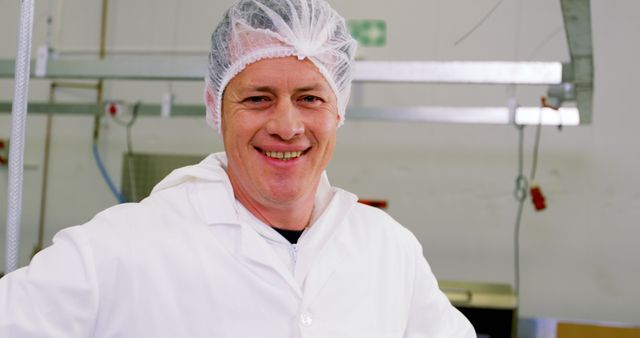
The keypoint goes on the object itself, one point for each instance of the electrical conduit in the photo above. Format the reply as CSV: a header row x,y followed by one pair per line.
x,y
18,121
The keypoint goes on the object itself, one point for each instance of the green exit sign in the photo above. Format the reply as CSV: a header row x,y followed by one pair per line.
x,y
369,33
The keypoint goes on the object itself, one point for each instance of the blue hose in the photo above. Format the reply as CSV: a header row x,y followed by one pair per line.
x,y
105,175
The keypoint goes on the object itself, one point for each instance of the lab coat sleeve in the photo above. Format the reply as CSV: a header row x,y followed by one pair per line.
x,y
55,296
431,315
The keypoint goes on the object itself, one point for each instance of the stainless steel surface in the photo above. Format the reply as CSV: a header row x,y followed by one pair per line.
x,y
480,295
141,172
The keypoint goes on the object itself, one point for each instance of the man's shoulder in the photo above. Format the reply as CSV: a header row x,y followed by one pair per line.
x,y
157,212
181,200
376,222
173,199
373,215
369,212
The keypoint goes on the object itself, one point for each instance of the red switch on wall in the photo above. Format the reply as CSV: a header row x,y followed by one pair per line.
x,y
114,108
4,151
380,204
537,197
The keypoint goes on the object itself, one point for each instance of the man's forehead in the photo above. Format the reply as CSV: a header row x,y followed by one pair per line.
x,y
270,86
268,74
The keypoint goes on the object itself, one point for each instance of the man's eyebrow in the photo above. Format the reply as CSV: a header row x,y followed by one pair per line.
x,y
269,89
259,88
312,87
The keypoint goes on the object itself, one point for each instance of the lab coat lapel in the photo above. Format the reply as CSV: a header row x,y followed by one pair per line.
x,y
213,199
261,257
322,251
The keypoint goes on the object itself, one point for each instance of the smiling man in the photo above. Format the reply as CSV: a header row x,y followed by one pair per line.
x,y
279,125
252,242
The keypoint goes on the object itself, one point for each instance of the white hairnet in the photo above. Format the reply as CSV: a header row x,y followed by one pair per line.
x,y
253,30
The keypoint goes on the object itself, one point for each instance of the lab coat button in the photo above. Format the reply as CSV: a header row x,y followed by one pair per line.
x,y
306,319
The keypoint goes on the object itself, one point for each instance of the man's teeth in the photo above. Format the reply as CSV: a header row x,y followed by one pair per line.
x,y
283,155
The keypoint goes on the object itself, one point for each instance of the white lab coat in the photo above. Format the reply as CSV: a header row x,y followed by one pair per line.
x,y
189,261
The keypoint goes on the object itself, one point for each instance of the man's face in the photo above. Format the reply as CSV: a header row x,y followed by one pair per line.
x,y
279,122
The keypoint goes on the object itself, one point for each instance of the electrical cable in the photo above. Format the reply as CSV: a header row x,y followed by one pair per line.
x,y
520,195
132,177
477,25
544,42
132,120
105,174
45,173
536,147
518,28
100,164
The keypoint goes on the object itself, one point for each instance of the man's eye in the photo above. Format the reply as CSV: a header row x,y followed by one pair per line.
x,y
256,99
311,99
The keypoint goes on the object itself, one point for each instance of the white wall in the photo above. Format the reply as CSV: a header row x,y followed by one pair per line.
x,y
451,184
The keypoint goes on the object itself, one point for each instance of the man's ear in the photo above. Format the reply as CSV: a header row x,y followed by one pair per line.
x,y
213,119
209,98
346,97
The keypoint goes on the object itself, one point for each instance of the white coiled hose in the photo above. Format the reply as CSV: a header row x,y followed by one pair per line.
x,y
18,120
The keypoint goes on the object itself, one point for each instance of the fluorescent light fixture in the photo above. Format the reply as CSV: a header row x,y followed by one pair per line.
x,y
477,115
490,72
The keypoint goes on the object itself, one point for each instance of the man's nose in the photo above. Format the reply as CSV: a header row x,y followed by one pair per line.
x,y
285,121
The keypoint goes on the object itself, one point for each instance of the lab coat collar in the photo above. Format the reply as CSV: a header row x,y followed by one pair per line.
x,y
211,169
211,195
210,192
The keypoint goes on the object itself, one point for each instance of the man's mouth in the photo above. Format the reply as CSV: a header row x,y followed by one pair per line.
x,y
283,155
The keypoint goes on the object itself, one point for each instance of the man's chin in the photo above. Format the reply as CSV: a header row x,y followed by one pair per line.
x,y
283,197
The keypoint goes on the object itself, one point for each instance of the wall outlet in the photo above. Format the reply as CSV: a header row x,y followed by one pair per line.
x,y
4,152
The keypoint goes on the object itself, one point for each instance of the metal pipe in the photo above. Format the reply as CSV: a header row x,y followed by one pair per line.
x,y
103,29
45,173
568,116
18,122
47,150
73,85
101,56
157,52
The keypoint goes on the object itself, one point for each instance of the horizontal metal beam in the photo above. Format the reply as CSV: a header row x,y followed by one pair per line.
x,y
138,69
482,115
489,72
93,109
